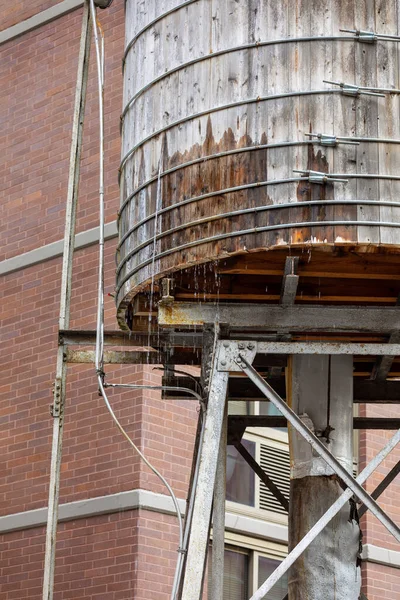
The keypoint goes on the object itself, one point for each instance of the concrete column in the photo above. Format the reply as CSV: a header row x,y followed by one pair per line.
x,y
320,390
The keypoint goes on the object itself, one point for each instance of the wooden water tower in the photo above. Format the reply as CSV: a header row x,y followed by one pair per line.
x,y
260,218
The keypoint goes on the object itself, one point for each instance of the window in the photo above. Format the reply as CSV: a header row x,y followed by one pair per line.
x,y
240,482
236,572
245,571
266,566
243,487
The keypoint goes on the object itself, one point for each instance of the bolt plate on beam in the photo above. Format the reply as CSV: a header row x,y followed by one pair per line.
x,y
230,353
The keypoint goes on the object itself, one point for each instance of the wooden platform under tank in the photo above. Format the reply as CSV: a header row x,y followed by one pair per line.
x,y
336,275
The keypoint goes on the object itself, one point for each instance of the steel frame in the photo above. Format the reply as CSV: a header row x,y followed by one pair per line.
x,y
237,355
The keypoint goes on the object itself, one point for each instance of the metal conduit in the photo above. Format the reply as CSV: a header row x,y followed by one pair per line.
x,y
340,139
245,211
250,231
214,109
190,63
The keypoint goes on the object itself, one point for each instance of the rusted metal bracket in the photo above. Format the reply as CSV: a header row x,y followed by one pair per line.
x,y
57,408
231,354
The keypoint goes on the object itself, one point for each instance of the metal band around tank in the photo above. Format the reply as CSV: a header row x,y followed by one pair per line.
x,y
244,211
217,155
211,55
247,186
153,22
214,109
222,236
205,159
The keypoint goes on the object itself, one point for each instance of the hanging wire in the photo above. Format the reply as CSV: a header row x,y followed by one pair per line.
x,y
99,358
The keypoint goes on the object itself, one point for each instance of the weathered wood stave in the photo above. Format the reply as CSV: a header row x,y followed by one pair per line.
x,y
297,66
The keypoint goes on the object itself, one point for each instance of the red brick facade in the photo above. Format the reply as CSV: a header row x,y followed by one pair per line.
x,y
129,554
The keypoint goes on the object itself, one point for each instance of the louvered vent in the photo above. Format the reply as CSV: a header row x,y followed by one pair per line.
x,y
276,464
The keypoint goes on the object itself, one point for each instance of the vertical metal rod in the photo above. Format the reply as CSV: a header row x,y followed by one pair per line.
x,y
198,542
65,301
218,524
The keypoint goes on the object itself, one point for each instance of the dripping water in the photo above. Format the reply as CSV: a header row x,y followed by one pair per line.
x,y
155,233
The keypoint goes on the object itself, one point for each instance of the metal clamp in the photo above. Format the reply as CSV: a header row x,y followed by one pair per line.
x,y
330,140
231,354
319,177
56,407
368,37
349,89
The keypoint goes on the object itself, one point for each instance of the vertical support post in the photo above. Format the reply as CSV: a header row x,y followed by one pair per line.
x,y
218,525
199,534
57,409
321,393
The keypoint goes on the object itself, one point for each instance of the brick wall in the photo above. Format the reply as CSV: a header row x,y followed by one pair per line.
x,y
120,556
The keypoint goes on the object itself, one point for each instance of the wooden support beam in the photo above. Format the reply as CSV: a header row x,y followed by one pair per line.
x,y
383,364
290,281
270,317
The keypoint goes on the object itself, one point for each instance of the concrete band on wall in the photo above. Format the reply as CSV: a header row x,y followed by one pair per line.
x,y
55,249
41,18
146,500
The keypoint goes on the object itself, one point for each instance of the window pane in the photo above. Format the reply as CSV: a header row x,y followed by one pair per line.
x,y
235,576
267,408
265,567
239,476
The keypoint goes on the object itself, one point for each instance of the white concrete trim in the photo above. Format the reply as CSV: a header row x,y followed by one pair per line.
x,y
256,528
55,249
41,18
160,503
381,556
137,499
131,500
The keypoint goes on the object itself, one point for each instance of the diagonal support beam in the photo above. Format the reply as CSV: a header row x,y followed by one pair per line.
x,y
381,487
318,446
263,476
290,281
199,533
324,520
383,364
